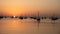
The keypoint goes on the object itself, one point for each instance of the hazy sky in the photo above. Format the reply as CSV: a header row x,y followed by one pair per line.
x,y
21,7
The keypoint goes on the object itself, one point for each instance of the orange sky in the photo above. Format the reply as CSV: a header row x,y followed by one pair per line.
x,y
19,7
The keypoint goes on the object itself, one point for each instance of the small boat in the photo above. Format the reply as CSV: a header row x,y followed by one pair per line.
x,y
38,19
25,17
1,17
54,18
21,17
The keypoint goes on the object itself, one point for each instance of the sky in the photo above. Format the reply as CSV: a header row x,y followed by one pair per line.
x,y
29,7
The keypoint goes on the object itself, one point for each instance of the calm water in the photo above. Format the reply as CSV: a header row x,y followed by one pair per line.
x,y
29,26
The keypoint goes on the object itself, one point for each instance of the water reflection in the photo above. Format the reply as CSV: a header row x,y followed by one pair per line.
x,y
28,26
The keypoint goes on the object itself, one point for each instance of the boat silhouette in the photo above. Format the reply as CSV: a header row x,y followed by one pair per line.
x,y
1,17
54,17
20,17
25,17
38,18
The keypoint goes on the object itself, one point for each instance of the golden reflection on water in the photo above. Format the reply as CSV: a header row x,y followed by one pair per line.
x,y
17,26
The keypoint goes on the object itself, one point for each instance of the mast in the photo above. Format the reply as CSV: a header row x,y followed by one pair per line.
x,y
38,14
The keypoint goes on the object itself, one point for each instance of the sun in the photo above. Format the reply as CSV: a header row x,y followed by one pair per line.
x,y
14,16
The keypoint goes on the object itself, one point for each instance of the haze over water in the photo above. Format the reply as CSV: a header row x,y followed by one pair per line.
x,y
29,26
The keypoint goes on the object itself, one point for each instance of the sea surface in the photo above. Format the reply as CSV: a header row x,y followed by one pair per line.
x,y
29,26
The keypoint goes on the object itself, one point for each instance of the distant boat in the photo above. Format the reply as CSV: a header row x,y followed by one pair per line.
x,y
54,17
1,17
43,17
33,17
21,17
5,16
38,18
25,17
11,17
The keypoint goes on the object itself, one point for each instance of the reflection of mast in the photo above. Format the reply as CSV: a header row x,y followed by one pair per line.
x,y
38,25
38,14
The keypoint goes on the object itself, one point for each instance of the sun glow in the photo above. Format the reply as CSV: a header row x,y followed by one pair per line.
x,y
14,16
20,7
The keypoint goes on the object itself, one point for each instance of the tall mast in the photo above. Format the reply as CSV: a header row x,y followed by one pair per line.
x,y
38,14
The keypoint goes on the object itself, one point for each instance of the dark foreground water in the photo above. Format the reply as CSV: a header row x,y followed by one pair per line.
x,y
29,26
